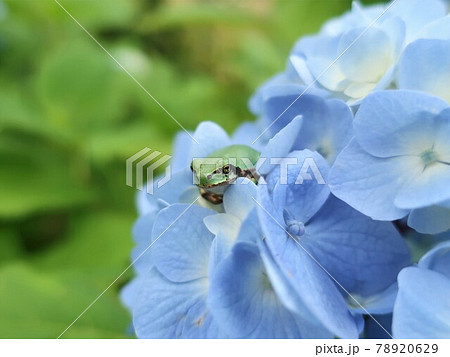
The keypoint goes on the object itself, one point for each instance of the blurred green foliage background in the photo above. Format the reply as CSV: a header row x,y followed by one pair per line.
x,y
69,118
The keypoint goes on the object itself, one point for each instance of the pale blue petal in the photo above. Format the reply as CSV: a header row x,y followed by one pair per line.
x,y
429,187
250,228
363,255
238,198
302,197
369,184
280,109
383,113
422,308
415,15
430,220
436,30
367,59
437,259
316,289
143,204
223,223
220,249
441,143
243,299
280,145
425,67
130,291
173,310
310,326
142,234
182,147
327,129
210,137
256,100
246,133
169,192
182,250
380,303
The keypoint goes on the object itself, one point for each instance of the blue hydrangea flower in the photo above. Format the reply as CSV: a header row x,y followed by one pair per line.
x,y
399,161
425,63
186,291
251,297
363,255
422,308
370,61
171,299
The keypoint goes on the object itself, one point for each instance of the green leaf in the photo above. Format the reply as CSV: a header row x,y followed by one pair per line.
x,y
35,178
195,14
37,305
98,242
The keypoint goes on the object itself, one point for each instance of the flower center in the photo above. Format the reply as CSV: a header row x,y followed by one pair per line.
x,y
295,228
429,157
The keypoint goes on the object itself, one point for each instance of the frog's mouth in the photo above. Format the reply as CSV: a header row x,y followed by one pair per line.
x,y
219,184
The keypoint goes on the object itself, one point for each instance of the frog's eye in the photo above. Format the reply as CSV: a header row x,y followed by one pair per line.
x,y
226,169
192,169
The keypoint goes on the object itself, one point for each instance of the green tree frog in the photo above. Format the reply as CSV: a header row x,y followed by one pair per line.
x,y
221,168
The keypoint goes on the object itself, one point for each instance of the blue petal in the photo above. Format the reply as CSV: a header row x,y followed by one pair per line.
x,y
250,228
430,220
311,282
280,145
181,252
363,255
238,198
173,310
142,233
436,30
243,299
169,192
415,15
311,327
422,309
427,188
286,107
368,58
220,249
279,80
383,113
246,133
143,204
223,223
327,129
381,303
210,137
130,291
302,199
437,259
182,147
369,184
424,66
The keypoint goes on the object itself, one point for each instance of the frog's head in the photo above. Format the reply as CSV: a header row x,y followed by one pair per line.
x,y
211,172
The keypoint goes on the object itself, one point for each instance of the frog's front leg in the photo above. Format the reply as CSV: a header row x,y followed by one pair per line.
x,y
251,174
211,197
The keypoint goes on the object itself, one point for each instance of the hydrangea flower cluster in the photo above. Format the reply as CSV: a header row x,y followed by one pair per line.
x,y
317,246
